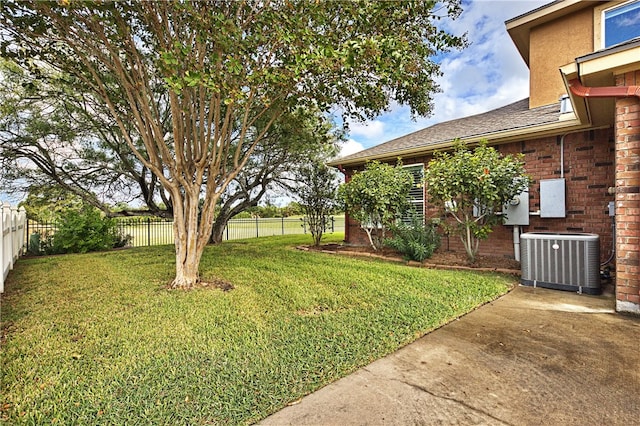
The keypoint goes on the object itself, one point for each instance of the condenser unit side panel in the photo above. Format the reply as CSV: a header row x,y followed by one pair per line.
x,y
563,262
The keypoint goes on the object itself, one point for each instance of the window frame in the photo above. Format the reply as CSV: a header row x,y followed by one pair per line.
x,y
414,199
600,21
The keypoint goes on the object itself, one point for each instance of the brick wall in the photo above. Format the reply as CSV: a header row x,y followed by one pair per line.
x,y
628,197
589,171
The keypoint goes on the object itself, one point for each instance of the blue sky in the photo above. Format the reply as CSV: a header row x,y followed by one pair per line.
x,y
488,74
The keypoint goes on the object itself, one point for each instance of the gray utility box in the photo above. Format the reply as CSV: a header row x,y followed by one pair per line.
x,y
517,210
561,261
553,198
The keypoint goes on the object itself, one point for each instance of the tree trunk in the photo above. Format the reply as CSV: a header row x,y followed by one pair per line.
x,y
187,262
188,235
217,235
468,240
316,225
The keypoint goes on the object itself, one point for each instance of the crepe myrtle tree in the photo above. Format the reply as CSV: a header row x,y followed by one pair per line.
x,y
472,186
52,137
222,66
377,197
317,191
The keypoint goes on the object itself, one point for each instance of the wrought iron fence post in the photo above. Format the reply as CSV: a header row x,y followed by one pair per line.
x,y
227,226
149,231
282,225
257,228
333,227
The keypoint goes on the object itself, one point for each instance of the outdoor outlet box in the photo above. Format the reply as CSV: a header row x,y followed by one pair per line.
x,y
553,198
517,210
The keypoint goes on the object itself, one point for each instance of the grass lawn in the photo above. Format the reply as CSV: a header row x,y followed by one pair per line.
x,y
96,338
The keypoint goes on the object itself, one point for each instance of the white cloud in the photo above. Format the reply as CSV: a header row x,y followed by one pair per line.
x,y
489,74
370,129
349,147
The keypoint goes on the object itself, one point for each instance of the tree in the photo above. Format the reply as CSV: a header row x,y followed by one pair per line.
x,y
298,138
222,67
317,191
46,203
48,138
472,187
51,135
377,197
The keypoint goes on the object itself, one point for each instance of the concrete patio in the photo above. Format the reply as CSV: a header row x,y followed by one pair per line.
x,y
534,356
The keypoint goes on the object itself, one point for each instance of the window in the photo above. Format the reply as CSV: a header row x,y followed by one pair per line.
x,y
620,23
416,195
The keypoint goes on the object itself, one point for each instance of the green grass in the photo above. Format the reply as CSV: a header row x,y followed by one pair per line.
x,y
97,339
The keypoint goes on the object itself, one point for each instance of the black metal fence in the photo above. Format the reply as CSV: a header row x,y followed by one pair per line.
x,y
145,231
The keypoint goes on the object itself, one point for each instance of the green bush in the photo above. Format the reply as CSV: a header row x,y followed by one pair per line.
x,y
415,240
243,215
377,197
83,231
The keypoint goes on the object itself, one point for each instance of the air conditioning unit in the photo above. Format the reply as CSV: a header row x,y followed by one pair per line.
x,y
561,261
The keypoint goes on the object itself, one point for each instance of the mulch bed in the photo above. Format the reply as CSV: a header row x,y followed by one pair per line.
x,y
441,259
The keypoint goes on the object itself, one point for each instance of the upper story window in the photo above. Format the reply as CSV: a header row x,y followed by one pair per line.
x,y
620,23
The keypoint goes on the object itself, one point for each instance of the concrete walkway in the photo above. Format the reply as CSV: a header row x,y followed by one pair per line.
x,y
532,357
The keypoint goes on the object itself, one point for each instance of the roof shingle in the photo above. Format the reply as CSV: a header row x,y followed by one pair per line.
x,y
508,118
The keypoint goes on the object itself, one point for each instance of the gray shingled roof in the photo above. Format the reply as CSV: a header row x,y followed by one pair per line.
x,y
510,117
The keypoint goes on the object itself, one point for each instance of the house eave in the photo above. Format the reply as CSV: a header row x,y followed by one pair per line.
x,y
598,69
520,26
616,60
568,123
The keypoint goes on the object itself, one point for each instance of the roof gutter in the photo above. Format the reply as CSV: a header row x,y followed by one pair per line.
x,y
603,92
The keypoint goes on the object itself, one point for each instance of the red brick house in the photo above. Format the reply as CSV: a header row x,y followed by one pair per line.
x,y
584,149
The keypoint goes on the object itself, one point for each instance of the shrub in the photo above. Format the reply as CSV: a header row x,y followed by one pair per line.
x,y
85,230
41,243
377,197
415,240
472,186
243,215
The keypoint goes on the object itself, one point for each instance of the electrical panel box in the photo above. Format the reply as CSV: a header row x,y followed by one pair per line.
x,y
517,210
553,198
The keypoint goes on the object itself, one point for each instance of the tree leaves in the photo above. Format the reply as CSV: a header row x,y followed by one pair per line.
x,y
473,186
317,191
377,197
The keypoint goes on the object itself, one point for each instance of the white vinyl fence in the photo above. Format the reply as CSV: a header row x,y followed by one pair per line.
x,y
13,222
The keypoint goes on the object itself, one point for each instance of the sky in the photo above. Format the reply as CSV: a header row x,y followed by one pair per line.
x,y
488,74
